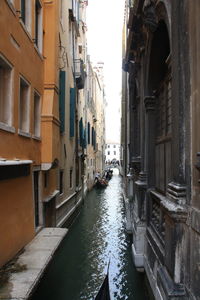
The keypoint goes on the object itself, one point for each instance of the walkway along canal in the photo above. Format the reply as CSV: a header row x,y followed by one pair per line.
x,y
97,234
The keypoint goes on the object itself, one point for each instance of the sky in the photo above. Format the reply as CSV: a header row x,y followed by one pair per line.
x,y
104,38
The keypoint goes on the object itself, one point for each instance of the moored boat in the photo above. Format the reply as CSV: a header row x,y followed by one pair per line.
x,y
101,183
104,292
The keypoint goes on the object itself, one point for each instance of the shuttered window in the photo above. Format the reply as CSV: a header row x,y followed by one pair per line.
x,y
88,133
163,135
72,111
81,133
62,101
85,138
93,138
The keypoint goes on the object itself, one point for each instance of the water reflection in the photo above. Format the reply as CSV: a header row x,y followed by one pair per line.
x,y
97,236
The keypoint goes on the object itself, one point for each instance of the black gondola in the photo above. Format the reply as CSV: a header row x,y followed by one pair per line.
x,y
100,183
104,292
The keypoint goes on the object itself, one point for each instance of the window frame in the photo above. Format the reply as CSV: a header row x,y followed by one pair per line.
x,y
71,178
7,122
21,130
27,13
38,24
37,121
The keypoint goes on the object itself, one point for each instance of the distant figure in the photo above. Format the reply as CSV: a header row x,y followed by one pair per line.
x,y
97,176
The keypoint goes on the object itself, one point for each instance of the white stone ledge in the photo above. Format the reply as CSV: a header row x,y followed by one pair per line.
x,y
36,257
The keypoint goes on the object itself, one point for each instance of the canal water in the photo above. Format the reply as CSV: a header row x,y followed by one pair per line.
x,y
96,237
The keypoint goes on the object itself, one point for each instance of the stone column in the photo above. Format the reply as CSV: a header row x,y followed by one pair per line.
x,y
180,97
146,180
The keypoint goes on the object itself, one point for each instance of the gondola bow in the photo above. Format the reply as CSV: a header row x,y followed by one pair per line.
x,y
104,292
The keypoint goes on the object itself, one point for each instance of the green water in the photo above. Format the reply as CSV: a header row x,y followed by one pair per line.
x,y
97,236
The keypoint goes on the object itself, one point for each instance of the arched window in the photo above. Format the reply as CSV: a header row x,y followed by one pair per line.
x,y
160,87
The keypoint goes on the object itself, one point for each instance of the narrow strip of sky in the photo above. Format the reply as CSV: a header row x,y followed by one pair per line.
x,y
105,21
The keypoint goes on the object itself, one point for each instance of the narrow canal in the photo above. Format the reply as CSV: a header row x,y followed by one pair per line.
x,y
97,235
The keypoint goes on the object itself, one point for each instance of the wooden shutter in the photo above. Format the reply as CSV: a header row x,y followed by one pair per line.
x,y
62,101
88,133
81,133
72,111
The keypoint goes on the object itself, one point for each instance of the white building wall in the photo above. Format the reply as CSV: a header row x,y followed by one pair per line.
x,y
112,151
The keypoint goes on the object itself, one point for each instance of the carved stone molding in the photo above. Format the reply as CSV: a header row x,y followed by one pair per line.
x,y
150,103
171,288
136,164
142,180
176,211
177,193
150,18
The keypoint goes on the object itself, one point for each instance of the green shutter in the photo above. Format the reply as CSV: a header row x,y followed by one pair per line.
x,y
72,111
93,136
81,133
85,138
94,139
62,101
88,133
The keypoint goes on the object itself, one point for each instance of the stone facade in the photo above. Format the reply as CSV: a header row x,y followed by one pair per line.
x,y
160,87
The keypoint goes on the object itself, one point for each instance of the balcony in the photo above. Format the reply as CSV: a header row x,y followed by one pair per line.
x,y
79,73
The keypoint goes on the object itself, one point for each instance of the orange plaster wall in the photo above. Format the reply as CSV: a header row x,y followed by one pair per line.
x,y
26,61
50,108
51,43
52,183
16,215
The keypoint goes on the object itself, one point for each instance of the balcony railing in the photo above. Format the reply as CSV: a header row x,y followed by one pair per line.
x,y
79,73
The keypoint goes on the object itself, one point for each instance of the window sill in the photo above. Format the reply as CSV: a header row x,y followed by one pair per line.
x,y
24,134
6,127
51,196
12,8
37,138
38,52
62,25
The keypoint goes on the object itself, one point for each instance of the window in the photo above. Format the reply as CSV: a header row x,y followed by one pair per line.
x,y
5,92
36,196
114,146
93,138
62,82
108,146
38,25
37,115
81,132
163,137
114,152
71,178
24,106
72,111
46,179
75,7
26,13
108,152
61,181
88,132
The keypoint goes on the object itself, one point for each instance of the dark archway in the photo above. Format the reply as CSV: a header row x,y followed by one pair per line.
x,y
160,51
